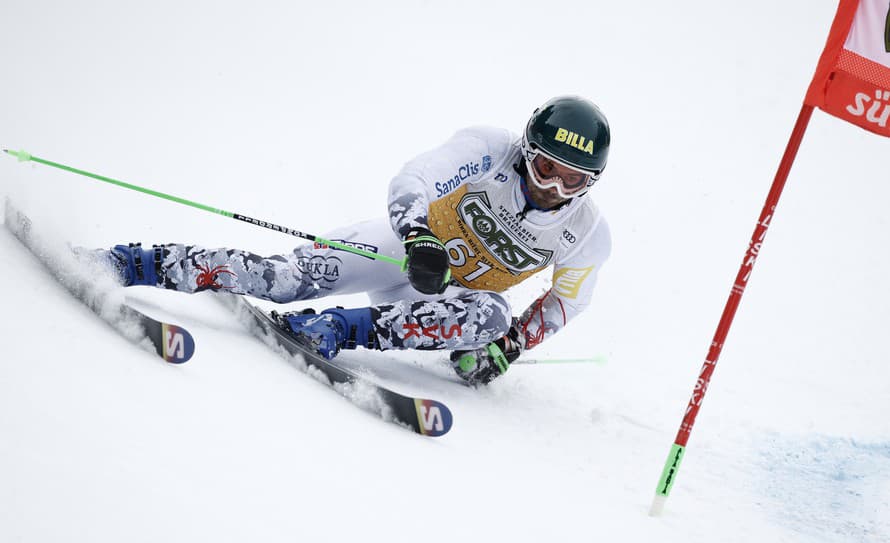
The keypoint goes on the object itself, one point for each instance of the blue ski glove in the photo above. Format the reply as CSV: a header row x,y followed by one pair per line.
x,y
481,366
427,262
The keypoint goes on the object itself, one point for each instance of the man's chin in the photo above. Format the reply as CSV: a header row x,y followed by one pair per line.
x,y
547,200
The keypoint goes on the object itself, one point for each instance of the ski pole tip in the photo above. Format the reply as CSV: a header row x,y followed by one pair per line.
x,y
23,156
657,505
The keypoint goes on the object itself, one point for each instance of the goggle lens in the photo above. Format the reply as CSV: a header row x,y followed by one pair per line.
x,y
549,173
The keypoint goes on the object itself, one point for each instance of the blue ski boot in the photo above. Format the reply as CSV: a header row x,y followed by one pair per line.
x,y
135,265
333,329
130,264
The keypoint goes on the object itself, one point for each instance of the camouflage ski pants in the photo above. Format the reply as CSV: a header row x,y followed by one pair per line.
x,y
404,318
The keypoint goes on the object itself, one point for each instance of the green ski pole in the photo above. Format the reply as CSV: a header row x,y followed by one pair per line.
x,y
24,156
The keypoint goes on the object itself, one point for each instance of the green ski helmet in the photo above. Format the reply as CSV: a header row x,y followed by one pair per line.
x,y
571,131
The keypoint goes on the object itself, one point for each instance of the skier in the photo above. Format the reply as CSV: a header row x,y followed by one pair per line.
x,y
477,215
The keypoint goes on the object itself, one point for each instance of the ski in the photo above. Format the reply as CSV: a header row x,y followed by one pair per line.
x,y
426,417
172,343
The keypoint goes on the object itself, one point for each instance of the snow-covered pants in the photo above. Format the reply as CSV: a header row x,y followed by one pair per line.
x,y
404,318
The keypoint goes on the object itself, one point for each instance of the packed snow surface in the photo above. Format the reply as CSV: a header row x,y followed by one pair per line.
x,y
300,114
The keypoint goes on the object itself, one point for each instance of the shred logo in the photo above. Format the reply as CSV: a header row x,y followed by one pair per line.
x,y
575,140
319,268
878,112
476,212
432,332
567,281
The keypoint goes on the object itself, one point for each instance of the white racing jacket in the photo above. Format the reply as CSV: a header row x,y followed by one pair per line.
x,y
468,194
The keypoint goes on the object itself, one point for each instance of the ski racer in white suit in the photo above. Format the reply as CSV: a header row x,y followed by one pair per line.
x,y
477,215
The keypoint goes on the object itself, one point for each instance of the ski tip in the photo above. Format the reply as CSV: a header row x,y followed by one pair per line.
x,y
23,156
178,344
434,418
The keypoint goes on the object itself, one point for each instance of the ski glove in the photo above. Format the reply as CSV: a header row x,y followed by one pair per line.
x,y
427,262
481,366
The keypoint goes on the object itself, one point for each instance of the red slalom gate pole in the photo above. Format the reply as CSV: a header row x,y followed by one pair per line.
x,y
672,465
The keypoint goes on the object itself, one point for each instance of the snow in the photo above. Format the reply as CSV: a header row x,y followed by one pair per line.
x,y
300,115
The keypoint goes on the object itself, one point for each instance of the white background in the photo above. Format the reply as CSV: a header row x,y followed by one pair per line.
x,y
300,115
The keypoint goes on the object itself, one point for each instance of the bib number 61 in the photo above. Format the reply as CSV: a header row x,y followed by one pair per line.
x,y
459,253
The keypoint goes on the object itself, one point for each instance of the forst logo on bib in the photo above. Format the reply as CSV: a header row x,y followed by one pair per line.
x,y
497,238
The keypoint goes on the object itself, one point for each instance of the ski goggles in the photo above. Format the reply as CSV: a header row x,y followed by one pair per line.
x,y
547,173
